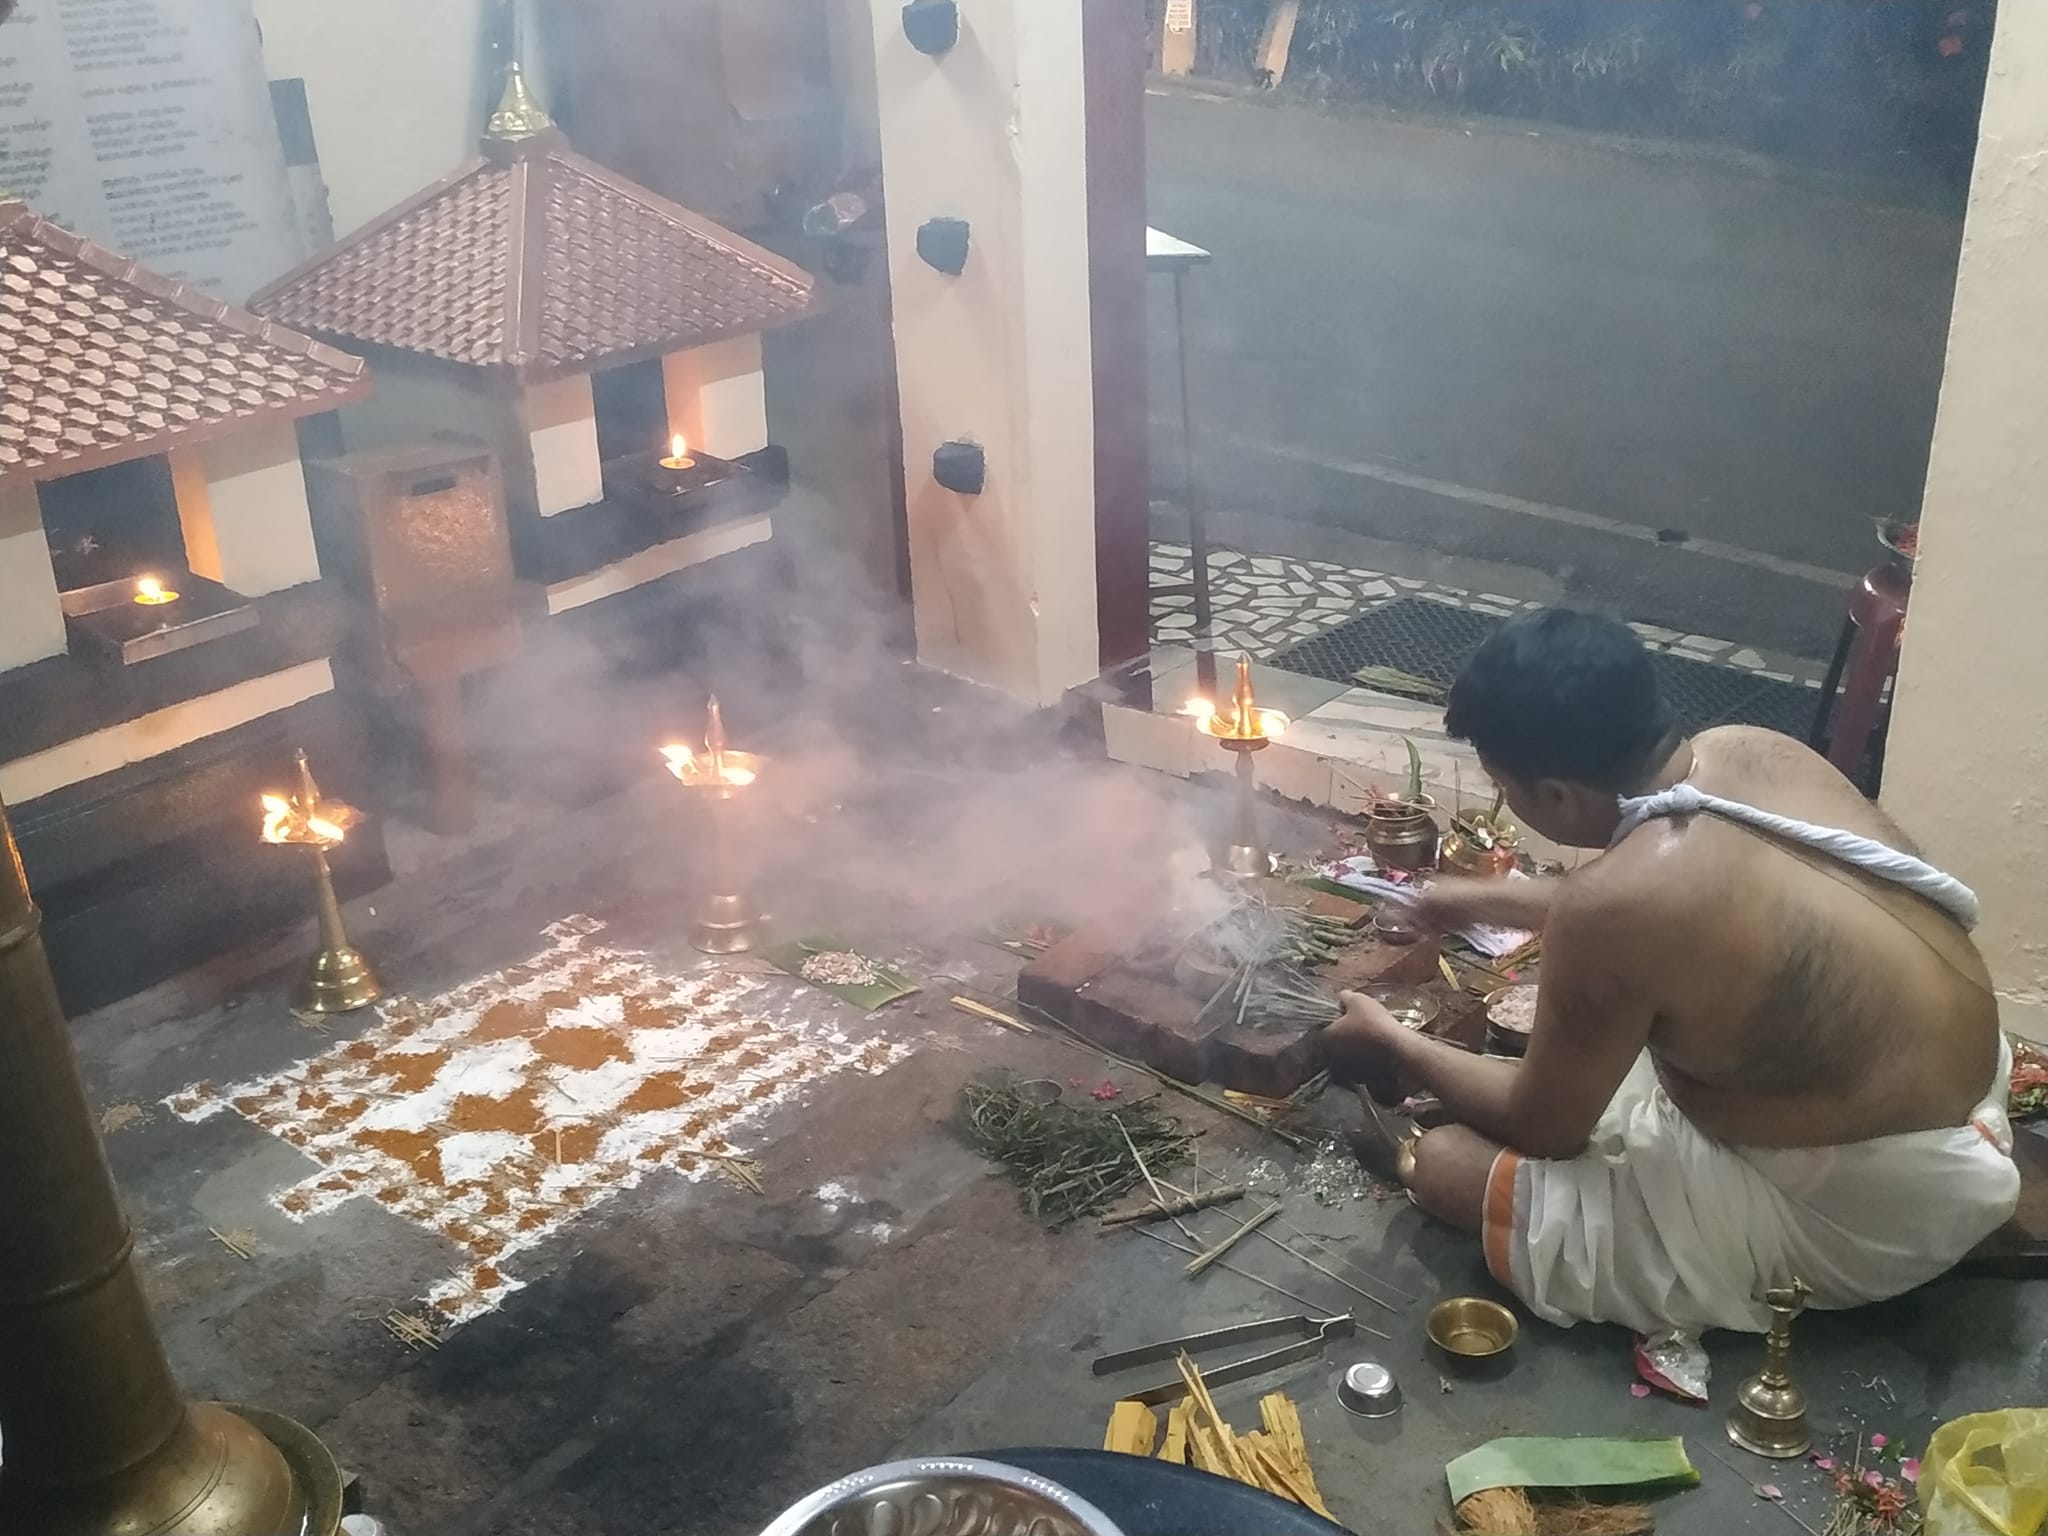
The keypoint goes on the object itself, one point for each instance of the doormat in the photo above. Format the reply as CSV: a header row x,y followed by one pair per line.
x,y
1432,640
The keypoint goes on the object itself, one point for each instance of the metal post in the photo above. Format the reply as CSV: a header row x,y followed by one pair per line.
x,y
1198,527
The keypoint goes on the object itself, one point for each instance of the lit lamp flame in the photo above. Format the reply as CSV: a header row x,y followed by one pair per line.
x,y
678,453
152,593
307,818
712,767
1245,721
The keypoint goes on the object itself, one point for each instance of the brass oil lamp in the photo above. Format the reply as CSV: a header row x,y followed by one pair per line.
x,y
339,980
718,778
1769,1417
99,1440
1244,730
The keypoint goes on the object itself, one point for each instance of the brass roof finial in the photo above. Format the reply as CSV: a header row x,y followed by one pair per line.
x,y
519,115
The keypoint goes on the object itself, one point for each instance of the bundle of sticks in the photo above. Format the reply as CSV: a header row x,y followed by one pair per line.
x,y
1273,1457
1272,951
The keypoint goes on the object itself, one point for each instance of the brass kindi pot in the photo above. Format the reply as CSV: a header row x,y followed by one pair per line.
x,y
1483,856
1401,832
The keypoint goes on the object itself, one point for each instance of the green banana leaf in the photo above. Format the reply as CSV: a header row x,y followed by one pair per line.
x,y
1532,1462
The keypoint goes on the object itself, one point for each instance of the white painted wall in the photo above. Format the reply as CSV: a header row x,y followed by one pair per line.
x,y
163,730
1003,585
1966,769
242,506
392,86
715,396
560,418
31,615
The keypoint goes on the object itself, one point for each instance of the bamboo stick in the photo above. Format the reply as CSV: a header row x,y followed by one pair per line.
x,y
1181,1205
1158,1194
993,1015
1310,1237
1250,1224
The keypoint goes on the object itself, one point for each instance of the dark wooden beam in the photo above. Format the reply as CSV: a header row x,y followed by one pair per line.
x,y
1113,48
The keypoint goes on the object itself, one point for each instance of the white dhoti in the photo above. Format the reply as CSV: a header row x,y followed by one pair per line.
x,y
1657,1225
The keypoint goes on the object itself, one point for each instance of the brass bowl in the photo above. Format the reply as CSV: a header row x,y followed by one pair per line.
x,y
1412,1009
1403,834
1465,855
1472,1328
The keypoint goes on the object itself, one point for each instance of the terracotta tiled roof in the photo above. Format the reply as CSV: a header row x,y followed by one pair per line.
x,y
534,260
101,360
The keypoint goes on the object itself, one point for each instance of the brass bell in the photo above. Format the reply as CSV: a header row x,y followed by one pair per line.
x,y
1769,1417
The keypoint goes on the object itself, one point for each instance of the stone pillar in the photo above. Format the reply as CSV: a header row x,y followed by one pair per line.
x,y
1177,38
715,396
560,421
31,617
1966,767
242,505
1276,41
993,131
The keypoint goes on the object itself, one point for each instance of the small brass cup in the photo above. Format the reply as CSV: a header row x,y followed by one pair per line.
x,y
1472,1328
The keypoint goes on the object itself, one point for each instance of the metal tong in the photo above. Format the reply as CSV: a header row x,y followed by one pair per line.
x,y
1315,1333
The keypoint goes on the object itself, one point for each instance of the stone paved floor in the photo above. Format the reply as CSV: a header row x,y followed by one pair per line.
x,y
1345,743
1263,603
685,1355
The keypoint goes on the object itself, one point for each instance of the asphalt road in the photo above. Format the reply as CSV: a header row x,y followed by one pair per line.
x,y
1539,352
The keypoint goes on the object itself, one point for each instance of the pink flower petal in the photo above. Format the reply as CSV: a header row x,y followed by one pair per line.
x,y
1879,1442
1909,1469
1825,1463
1638,1389
1769,1491
1873,1479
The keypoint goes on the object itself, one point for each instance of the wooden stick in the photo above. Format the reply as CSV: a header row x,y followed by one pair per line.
x,y
1291,1481
1249,1224
993,1015
1158,1194
1245,1274
1182,1206
1295,1253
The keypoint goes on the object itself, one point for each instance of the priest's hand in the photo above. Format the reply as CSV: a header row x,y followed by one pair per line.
x,y
1358,1047
1452,902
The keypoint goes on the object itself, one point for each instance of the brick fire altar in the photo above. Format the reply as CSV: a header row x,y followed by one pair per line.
x,y
1115,983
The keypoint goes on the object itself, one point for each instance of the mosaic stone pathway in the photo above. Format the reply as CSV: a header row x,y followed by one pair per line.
x,y
1263,604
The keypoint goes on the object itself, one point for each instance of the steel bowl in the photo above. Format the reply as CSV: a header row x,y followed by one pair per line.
x,y
1369,1390
1392,927
943,1494
1506,1039
1472,1327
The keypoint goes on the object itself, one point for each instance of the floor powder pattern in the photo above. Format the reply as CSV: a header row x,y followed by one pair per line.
x,y
496,1113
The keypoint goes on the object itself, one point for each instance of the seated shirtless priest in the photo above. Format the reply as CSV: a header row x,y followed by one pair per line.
x,y
1760,1052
